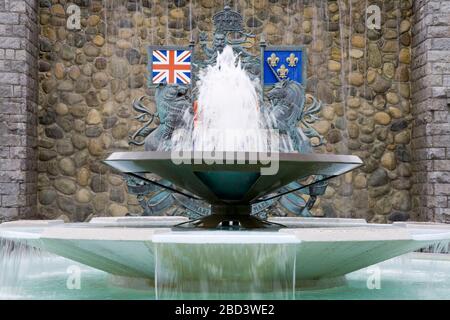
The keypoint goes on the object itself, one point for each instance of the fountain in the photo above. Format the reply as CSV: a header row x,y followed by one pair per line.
x,y
228,177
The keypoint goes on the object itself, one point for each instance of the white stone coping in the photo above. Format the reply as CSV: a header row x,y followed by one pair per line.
x,y
225,237
102,234
141,229
31,223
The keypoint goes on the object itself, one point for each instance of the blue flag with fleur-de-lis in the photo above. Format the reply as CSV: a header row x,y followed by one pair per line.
x,y
282,63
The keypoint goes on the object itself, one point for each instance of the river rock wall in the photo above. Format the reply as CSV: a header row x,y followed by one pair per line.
x,y
88,79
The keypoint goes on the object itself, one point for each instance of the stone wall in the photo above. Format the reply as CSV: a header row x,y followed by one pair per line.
x,y
89,78
431,102
18,107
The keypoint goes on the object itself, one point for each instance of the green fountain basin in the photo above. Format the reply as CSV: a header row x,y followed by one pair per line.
x,y
311,253
235,182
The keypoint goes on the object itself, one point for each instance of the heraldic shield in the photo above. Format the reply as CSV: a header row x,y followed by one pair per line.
x,y
169,65
283,63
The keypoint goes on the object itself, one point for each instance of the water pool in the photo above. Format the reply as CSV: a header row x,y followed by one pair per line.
x,y
412,276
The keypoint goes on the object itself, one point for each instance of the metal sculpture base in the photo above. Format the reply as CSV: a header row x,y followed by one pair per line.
x,y
229,222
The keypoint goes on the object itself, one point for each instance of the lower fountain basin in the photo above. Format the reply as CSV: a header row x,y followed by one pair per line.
x,y
311,251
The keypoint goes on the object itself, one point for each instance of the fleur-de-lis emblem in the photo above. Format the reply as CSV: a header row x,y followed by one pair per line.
x,y
292,60
273,60
283,72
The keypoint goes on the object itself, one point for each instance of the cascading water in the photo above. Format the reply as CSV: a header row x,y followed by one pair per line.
x,y
228,116
256,269
228,104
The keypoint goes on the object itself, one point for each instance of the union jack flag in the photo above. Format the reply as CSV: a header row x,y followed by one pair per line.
x,y
171,66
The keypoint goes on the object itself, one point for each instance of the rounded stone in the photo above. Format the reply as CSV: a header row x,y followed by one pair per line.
x,y
353,130
390,34
74,72
54,132
47,196
306,25
405,26
87,70
100,63
46,155
356,53
44,66
78,110
117,195
100,202
388,161
378,178
354,102
328,112
371,76
405,56
123,44
401,200
67,166
403,137
358,41
392,98
270,29
116,210
136,81
360,182
405,90
404,170
109,108
98,40
397,216
119,68
91,50
81,158
356,79
93,131
334,66
67,53
383,207
322,126
133,56
61,109
93,20
389,70
65,185
382,118
96,147
379,102
109,122
115,180
402,74
176,13
93,117
334,136
120,131
100,80
83,196
381,85
374,58
83,177
79,141
64,148
99,183
60,71
92,99
46,143
402,184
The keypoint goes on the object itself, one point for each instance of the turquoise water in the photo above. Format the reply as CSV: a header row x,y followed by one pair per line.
x,y
414,276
